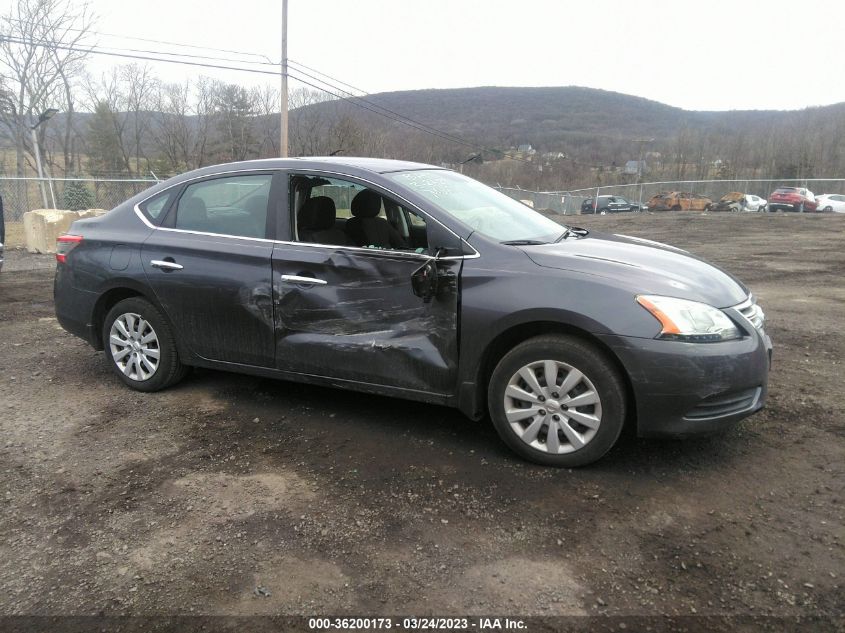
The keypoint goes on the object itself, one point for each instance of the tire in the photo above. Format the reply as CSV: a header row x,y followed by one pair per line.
x,y
130,352
677,207
528,436
828,209
603,212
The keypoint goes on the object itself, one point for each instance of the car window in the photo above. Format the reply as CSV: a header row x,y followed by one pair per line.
x,y
236,205
153,207
324,215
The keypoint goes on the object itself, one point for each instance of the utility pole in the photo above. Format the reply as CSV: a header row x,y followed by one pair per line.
x,y
283,141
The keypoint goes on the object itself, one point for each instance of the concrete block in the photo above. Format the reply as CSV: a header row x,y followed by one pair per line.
x,y
42,226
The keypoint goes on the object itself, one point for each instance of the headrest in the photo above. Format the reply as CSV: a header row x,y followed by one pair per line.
x,y
192,209
317,214
366,204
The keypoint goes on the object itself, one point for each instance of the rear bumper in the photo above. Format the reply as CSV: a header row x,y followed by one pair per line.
x,y
74,307
683,389
790,206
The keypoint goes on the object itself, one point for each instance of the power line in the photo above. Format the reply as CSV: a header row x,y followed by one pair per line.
x,y
176,44
352,98
96,51
433,130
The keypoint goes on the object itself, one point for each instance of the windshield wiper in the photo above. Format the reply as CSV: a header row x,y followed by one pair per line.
x,y
523,242
572,230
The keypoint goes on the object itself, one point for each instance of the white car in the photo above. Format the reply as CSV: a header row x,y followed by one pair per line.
x,y
754,203
831,202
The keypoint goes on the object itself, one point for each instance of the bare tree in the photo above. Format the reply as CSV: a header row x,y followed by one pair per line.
x,y
126,97
309,122
42,46
267,104
183,132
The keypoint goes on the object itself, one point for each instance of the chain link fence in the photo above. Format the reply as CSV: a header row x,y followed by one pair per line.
x,y
569,202
25,194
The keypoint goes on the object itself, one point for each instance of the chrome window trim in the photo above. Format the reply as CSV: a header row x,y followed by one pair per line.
x,y
155,227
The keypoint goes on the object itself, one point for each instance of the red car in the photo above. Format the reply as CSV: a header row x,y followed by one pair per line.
x,y
793,199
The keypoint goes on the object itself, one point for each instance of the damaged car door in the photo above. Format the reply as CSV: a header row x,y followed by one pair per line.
x,y
365,289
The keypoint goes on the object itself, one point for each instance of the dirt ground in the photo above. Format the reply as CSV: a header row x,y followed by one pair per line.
x,y
236,495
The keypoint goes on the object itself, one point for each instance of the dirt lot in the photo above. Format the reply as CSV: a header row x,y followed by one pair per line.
x,y
236,495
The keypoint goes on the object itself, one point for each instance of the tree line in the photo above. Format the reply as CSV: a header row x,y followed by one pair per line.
x,y
129,122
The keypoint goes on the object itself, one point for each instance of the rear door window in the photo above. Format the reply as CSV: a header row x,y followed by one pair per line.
x,y
234,205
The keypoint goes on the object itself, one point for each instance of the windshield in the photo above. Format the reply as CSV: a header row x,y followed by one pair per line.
x,y
487,211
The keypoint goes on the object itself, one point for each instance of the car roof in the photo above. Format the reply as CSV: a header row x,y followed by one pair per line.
x,y
361,163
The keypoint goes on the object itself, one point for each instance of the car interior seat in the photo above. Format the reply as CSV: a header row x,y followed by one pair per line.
x,y
192,215
316,222
365,228
256,208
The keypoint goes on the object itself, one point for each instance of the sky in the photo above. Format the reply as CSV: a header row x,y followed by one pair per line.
x,y
697,55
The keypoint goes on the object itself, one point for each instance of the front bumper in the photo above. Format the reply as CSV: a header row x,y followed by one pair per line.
x,y
683,389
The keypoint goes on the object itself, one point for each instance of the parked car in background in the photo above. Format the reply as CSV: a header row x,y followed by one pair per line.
x,y
679,201
733,201
737,201
411,281
796,199
828,202
608,204
755,203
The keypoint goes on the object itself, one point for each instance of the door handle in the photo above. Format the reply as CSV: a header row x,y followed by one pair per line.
x,y
297,279
165,265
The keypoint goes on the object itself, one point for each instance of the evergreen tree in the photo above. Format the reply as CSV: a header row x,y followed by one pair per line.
x,y
77,197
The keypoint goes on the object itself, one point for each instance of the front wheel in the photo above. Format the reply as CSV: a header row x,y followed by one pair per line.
x,y
140,347
557,401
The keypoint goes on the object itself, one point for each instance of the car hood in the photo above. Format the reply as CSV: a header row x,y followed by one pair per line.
x,y
646,267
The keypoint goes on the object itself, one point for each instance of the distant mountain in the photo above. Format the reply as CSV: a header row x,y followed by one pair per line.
x,y
548,117
589,135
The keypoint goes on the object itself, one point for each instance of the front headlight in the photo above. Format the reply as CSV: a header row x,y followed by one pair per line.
x,y
690,321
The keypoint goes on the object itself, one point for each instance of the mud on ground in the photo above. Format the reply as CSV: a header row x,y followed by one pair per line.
x,y
332,502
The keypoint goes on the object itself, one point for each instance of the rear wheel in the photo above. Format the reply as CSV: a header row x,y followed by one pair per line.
x,y
140,346
677,207
557,401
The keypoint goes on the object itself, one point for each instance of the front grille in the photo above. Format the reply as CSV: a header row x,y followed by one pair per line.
x,y
724,404
751,311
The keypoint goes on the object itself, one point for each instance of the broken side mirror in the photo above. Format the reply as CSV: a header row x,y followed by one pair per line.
x,y
424,281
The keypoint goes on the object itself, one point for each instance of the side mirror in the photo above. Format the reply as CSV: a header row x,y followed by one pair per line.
x,y
424,281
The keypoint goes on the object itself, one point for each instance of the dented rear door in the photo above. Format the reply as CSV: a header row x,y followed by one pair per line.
x,y
360,321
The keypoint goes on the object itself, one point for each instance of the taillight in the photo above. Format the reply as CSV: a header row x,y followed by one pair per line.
x,y
65,244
